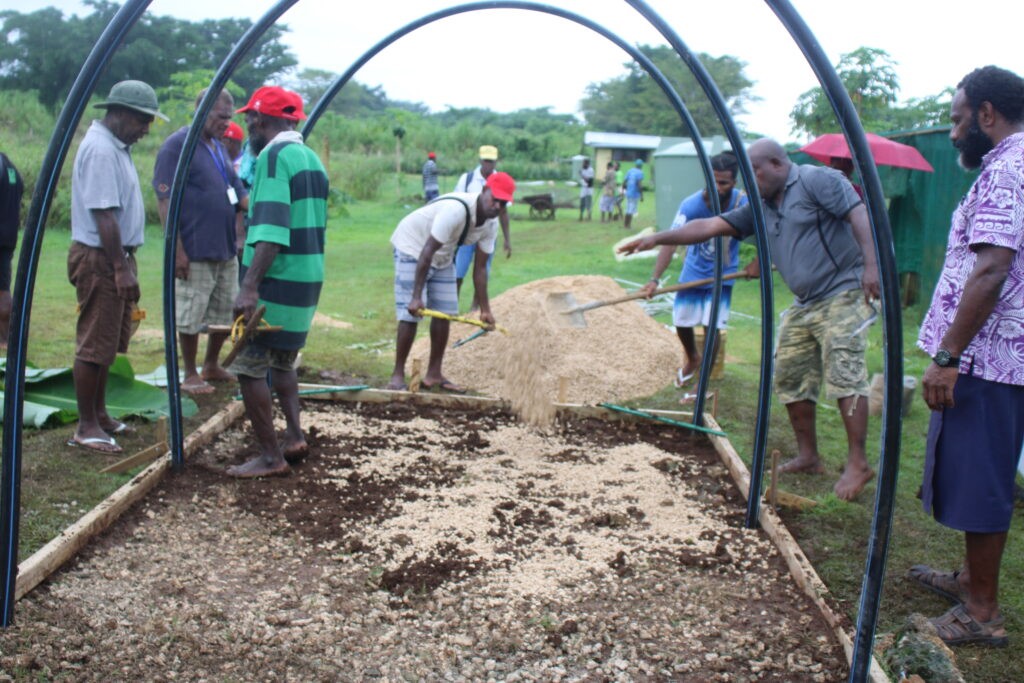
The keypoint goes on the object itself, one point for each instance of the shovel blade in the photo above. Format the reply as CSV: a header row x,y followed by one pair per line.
x,y
564,311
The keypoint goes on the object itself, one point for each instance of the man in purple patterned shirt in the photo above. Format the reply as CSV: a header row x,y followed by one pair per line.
x,y
974,331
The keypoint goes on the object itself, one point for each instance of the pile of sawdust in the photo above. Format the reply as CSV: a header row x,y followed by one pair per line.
x,y
621,354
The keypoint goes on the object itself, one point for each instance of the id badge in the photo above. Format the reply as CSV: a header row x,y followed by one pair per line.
x,y
232,196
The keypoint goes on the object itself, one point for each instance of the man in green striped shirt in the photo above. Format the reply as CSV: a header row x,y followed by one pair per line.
x,y
282,269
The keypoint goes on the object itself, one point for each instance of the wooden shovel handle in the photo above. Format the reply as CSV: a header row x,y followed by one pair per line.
x,y
663,290
251,326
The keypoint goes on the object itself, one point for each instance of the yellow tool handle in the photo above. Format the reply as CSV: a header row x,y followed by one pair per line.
x,y
461,319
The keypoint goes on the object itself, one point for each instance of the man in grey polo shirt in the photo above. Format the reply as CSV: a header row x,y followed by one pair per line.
x,y
820,241
107,224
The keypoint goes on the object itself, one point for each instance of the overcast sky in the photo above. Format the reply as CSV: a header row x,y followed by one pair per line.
x,y
511,59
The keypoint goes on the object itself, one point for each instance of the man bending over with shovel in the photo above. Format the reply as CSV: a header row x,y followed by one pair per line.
x,y
282,269
424,250
820,241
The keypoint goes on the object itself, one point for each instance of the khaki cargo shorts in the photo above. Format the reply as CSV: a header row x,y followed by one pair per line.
x,y
819,341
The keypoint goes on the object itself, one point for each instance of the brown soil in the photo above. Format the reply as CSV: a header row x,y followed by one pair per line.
x,y
419,543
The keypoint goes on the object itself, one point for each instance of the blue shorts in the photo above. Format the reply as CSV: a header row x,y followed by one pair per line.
x,y
464,260
971,456
439,292
692,307
632,204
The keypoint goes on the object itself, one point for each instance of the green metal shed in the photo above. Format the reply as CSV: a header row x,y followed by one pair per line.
x,y
678,174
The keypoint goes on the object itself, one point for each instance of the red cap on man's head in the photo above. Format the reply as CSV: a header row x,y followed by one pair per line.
x,y
502,186
273,100
431,156
234,132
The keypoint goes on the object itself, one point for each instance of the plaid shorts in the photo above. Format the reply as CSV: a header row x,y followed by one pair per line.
x,y
207,297
820,341
255,360
439,292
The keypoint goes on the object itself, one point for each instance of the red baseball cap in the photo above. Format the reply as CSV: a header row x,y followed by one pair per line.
x,y
432,156
234,132
502,186
273,100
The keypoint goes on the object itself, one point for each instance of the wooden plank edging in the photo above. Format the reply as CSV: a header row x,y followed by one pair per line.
x,y
60,549
799,566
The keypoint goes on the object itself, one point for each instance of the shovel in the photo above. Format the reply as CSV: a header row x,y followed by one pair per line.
x,y
461,319
564,303
241,335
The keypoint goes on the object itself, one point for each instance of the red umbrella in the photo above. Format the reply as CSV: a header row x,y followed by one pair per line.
x,y
886,152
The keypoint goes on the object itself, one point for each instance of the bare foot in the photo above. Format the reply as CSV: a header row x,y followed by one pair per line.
x,y
196,385
295,452
852,482
217,374
805,464
261,466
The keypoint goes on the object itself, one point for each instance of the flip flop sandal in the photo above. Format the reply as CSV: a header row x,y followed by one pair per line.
x,y
446,386
940,583
958,627
680,379
92,442
121,428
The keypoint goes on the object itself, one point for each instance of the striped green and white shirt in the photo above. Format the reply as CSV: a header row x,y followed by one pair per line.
x,y
288,206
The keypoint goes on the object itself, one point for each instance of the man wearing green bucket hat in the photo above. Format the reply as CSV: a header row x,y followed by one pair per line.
x,y
107,224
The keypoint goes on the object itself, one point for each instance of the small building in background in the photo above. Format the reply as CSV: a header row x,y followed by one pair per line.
x,y
622,147
679,174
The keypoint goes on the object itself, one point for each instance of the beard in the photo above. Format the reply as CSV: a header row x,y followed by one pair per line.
x,y
257,142
974,146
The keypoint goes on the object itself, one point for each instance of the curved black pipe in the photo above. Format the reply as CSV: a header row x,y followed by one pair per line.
x,y
643,61
763,253
892,322
28,262
188,150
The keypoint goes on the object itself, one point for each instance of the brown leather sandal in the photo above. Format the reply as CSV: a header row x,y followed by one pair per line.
x,y
940,583
958,627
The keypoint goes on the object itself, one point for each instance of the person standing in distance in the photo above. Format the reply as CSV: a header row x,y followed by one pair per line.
x,y
430,187
633,188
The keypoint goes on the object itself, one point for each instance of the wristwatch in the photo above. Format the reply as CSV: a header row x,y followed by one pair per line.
x,y
944,359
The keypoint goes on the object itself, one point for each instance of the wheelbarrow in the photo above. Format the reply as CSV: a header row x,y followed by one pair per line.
x,y
565,308
542,206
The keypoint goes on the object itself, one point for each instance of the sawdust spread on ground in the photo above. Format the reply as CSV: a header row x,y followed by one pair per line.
x,y
620,354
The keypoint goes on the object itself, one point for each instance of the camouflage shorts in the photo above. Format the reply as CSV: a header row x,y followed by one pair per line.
x,y
821,339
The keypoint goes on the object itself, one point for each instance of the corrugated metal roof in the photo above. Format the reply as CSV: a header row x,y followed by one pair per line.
x,y
621,140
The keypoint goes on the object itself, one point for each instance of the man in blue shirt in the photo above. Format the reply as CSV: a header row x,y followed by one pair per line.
x,y
210,235
693,306
634,190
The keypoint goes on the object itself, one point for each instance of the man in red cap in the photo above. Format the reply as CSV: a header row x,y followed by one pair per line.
x,y
282,269
232,140
424,251
430,186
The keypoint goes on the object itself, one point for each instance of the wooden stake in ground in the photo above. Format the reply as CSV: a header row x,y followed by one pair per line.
x,y
146,455
414,376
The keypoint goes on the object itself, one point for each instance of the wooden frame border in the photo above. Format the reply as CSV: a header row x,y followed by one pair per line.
x,y
50,557
60,549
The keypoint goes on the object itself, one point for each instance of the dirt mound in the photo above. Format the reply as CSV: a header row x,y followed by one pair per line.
x,y
621,354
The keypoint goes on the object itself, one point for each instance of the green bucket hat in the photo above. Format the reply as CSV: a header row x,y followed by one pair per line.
x,y
133,95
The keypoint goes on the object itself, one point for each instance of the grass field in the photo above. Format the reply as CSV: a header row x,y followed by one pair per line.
x,y
59,486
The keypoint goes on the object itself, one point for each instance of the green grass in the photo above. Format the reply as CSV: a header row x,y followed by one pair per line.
x,y
358,290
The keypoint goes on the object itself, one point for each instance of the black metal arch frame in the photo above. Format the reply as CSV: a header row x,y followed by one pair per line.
x,y
132,10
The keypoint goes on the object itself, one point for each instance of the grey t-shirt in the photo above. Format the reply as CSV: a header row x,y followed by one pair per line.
x,y
104,177
811,245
